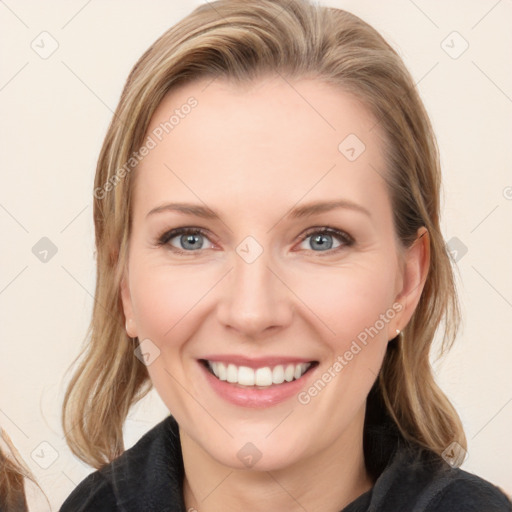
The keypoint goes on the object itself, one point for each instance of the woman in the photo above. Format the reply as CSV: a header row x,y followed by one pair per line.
x,y
287,144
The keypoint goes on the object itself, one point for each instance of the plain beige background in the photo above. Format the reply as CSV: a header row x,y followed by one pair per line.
x,y
55,109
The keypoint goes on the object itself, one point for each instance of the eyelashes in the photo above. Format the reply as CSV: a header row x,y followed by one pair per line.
x,y
345,239
164,239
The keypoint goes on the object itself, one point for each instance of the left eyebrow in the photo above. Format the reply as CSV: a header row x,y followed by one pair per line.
x,y
310,209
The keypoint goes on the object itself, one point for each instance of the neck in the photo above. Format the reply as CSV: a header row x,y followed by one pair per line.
x,y
327,481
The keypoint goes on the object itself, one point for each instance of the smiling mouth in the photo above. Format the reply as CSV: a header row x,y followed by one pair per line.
x,y
263,377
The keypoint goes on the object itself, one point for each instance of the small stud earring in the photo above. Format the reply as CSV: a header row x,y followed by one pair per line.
x,y
398,331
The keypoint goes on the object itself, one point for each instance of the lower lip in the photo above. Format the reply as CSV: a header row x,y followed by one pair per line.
x,y
254,396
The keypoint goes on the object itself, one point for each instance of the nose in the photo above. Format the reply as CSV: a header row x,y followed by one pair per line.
x,y
256,299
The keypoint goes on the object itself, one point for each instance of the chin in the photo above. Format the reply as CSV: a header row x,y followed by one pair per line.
x,y
262,455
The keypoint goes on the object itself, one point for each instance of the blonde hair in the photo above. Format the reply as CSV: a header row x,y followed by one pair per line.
x,y
14,474
241,40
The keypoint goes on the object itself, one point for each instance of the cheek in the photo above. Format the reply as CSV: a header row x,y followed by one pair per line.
x,y
162,298
165,300
348,300
355,307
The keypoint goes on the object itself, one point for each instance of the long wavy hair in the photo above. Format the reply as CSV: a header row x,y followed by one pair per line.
x,y
242,40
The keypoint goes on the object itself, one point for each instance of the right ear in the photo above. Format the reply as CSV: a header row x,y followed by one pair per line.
x,y
126,299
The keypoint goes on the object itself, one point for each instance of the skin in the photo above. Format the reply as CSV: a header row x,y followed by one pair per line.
x,y
252,154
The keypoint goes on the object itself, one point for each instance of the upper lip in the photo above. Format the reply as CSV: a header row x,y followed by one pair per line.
x,y
256,362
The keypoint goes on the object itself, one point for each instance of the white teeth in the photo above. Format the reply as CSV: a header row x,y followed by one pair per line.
x,y
289,373
278,374
245,376
221,372
231,373
263,377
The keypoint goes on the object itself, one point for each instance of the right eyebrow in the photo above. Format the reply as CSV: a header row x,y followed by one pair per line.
x,y
186,209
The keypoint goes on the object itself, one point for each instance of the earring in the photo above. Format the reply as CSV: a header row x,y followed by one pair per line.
x,y
398,331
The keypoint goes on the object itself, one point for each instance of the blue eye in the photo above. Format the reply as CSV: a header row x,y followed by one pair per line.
x,y
191,240
323,239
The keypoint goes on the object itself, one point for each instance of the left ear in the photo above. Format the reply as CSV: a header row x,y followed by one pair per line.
x,y
414,274
130,326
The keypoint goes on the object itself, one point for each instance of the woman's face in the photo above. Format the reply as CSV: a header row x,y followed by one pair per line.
x,y
260,291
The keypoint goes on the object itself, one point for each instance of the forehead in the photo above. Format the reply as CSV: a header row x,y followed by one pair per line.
x,y
276,139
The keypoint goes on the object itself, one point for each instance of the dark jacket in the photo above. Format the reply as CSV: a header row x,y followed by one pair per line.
x,y
148,478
